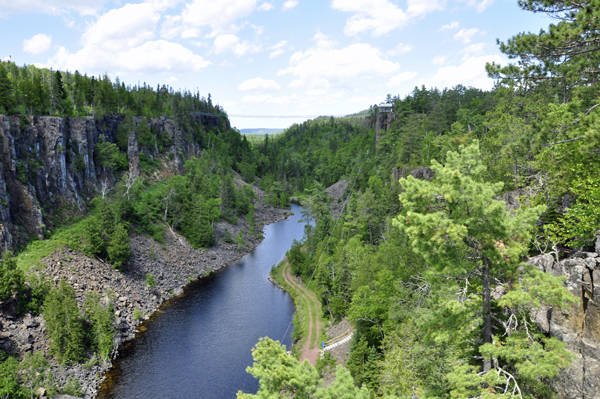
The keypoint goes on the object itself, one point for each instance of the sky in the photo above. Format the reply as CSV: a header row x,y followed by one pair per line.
x,y
293,59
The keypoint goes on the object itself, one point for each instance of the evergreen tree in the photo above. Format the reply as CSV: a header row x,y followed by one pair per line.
x,y
7,100
119,251
463,233
64,324
101,320
11,277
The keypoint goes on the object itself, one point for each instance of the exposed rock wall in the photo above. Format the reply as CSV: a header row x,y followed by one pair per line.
x,y
49,163
579,325
382,121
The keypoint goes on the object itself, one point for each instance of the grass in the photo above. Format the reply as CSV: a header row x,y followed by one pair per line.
x,y
37,250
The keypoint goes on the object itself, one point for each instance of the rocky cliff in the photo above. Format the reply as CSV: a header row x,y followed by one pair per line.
x,y
381,121
49,165
579,325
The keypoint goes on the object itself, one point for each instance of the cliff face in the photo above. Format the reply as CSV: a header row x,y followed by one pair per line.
x,y
577,326
382,121
48,165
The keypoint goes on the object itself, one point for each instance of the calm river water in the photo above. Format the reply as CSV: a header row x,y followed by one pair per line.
x,y
200,344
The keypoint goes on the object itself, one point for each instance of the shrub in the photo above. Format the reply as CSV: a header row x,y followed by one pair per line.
x,y
11,277
119,250
150,280
137,314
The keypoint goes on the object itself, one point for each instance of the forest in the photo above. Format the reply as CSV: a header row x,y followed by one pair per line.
x,y
431,273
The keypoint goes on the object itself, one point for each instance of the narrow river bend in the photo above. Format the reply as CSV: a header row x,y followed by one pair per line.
x,y
200,344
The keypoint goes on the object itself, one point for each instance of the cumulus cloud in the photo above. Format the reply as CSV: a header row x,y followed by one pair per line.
x,y
402,77
266,7
473,49
277,49
470,73
439,60
37,44
231,42
123,40
289,4
382,16
465,35
400,49
218,15
451,25
320,67
54,7
258,84
480,6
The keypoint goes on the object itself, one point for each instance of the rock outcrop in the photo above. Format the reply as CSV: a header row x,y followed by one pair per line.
x,y
382,121
578,326
49,165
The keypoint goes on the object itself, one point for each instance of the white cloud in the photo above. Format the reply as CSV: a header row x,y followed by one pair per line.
x,y
37,44
289,4
219,15
439,60
152,56
465,35
479,5
277,49
258,84
473,49
470,73
231,42
5,59
323,41
266,7
172,79
122,40
400,49
402,77
226,64
451,25
382,16
54,7
321,67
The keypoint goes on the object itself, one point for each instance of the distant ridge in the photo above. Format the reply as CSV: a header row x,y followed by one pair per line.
x,y
260,131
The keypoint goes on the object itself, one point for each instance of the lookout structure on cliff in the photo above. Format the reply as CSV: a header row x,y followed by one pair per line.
x,y
386,107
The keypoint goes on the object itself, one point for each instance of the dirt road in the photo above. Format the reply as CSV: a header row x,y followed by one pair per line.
x,y
310,349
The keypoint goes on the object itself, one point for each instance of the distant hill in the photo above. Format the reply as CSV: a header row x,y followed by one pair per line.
x,y
261,131
362,113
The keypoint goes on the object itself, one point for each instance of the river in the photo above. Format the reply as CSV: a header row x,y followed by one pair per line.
x,y
199,344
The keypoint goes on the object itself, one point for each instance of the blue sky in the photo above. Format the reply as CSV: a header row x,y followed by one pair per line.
x,y
269,57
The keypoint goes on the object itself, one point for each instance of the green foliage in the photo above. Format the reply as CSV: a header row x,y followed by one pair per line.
x,y
11,277
101,321
137,314
150,280
109,155
45,92
64,324
282,375
9,379
39,287
72,387
118,248
143,133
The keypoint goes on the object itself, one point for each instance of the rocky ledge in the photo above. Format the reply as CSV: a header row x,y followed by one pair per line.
x,y
578,325
173,264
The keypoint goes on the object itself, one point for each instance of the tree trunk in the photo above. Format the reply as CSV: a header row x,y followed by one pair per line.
x,y
487,310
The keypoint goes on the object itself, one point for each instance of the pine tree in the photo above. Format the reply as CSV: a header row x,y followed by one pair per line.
x,y
465,234
119,251
64,324
7,99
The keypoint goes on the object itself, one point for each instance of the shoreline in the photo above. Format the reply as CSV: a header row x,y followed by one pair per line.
x,y
174,264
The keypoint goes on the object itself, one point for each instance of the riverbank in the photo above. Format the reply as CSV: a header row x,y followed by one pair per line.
x,y
173,265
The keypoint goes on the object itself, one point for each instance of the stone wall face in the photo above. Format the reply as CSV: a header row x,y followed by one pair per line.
x,y
48,163
578,326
